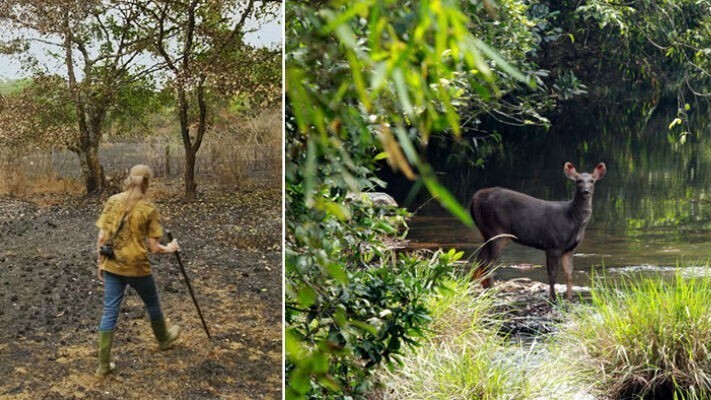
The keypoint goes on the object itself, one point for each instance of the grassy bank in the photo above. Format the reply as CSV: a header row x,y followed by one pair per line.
x,y
644,338
637,339
466,357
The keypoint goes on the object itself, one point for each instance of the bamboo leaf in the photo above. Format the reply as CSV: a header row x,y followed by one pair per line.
x,y
402,93
381,156
444,197
501,63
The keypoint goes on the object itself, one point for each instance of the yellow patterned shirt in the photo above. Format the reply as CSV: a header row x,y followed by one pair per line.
x,y
129,244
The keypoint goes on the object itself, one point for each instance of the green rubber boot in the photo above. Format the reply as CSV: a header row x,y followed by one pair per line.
x,y
165,336
106,340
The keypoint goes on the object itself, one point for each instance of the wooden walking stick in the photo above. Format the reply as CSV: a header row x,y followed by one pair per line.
x,y
190,287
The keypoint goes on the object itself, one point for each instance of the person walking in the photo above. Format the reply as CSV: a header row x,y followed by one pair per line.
x,y
129,227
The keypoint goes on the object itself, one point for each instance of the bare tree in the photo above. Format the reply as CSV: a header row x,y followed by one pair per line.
x,y
97,42
201,43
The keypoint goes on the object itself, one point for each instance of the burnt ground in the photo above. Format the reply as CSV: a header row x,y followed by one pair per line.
x,y
51,300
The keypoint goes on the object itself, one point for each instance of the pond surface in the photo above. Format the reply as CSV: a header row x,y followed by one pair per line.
x,y
602,251
651,211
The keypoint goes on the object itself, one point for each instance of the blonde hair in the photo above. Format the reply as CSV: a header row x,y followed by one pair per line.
x,y
136,185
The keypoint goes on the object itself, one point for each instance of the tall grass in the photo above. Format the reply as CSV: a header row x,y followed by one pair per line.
x,y
24,173
245,150
236,151
645,338
465,357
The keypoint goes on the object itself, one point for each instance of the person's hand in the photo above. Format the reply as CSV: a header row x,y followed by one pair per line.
x,y
173,246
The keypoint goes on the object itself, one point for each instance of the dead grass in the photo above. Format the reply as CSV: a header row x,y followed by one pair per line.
x,y
244,149
25,173
236,152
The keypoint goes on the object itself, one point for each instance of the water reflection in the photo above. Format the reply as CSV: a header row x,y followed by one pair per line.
x,y
653,208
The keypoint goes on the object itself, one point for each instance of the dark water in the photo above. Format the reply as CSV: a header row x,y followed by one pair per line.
x,y
651,212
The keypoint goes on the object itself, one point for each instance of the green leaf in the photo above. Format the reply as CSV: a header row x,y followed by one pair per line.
x,y
402,93
293,347
379,77
381,156
339,210
444,197
356,71
339,317
450,112
319,363
300,384
307,296
347,37
501,63
365,326
406,145
329,383
337,272
310,172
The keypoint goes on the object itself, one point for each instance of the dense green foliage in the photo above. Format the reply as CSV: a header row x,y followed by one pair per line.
x,y
354,319
664,45
619,60
371,81
366,81
644,337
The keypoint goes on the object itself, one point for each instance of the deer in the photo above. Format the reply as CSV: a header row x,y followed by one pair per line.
x,y
556,227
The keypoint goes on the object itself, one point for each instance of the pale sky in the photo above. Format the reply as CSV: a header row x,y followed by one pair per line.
x,y
269,35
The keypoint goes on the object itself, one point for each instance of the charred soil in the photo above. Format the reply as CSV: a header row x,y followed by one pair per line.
x,y
51,301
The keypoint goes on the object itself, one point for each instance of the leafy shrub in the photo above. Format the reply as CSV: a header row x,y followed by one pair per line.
x,y
366,82
351,302
646,338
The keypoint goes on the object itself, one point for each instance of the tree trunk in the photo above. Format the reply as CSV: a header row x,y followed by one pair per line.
x,y
190,152
89,121
167,160
91,170
189,176
192,146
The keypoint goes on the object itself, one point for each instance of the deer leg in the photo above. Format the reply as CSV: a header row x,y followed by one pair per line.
x,y
567,262
552,260
487,258
481,273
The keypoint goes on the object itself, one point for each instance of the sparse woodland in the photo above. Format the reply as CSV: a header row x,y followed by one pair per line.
x,y
177,86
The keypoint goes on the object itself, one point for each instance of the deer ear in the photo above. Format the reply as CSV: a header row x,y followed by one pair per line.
x,y
569,171
599,171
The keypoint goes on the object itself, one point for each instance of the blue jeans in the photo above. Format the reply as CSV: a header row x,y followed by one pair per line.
x,y
114,289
